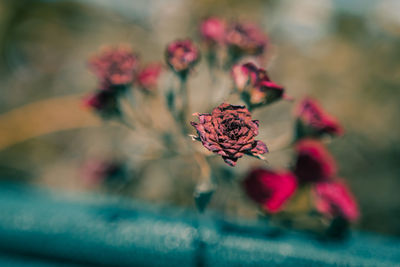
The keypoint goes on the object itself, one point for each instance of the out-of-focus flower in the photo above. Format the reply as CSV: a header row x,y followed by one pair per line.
x,y
181,56
104,102
114,65
314,163
213,30
229,131
255,86
244,75
99,171
148,77
245,39
271,189
334,199
312,120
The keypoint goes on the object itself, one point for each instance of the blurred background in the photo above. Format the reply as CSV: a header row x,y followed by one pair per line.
x,y
344,53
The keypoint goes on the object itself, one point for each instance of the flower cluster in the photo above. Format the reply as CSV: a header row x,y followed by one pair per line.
x,y
236,39
117,69
313,167
240,39
228,131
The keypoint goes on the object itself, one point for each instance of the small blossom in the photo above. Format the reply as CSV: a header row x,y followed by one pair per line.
x,y
181,56
245,39
104,102
213,30
148,77
314,163
114,65
98,171
255,86
230,132
270,189
334,199
244,75
312,120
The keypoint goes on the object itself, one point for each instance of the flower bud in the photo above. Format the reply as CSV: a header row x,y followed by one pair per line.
x,y
334,199
270,189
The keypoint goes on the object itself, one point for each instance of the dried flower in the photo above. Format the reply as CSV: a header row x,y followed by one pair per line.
x,y
255,86
245,39
334,199
114,65
314,163
181,56
312,120
229,131
213,30
104,102
148,77
271,189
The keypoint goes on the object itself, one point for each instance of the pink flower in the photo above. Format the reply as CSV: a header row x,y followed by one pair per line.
x,y
333,198
314,163
114,65
104,102
270,189
181,56
245,39
148,77
244,75
230,132
312,120
97,171
213,30
255,86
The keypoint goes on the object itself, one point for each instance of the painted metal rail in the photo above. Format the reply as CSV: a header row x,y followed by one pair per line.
x,y
39,227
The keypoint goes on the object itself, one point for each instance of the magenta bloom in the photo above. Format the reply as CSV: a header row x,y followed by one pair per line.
x,y
182,55
270,189
104,102
245,39
312,120
230,132
213,30
314,163
148,77
335,199
114,65
255,86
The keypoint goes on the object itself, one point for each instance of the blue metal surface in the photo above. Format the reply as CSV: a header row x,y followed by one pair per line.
x,y
43,228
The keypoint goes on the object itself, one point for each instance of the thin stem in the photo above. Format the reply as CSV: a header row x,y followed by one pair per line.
x,y
185,104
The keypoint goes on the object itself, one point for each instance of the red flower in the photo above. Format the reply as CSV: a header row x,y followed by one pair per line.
x,y
333,198
148,77
314,163
255,86
229,131
104,102
271,189
312,120
213,30
182,55
114,65
245,39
